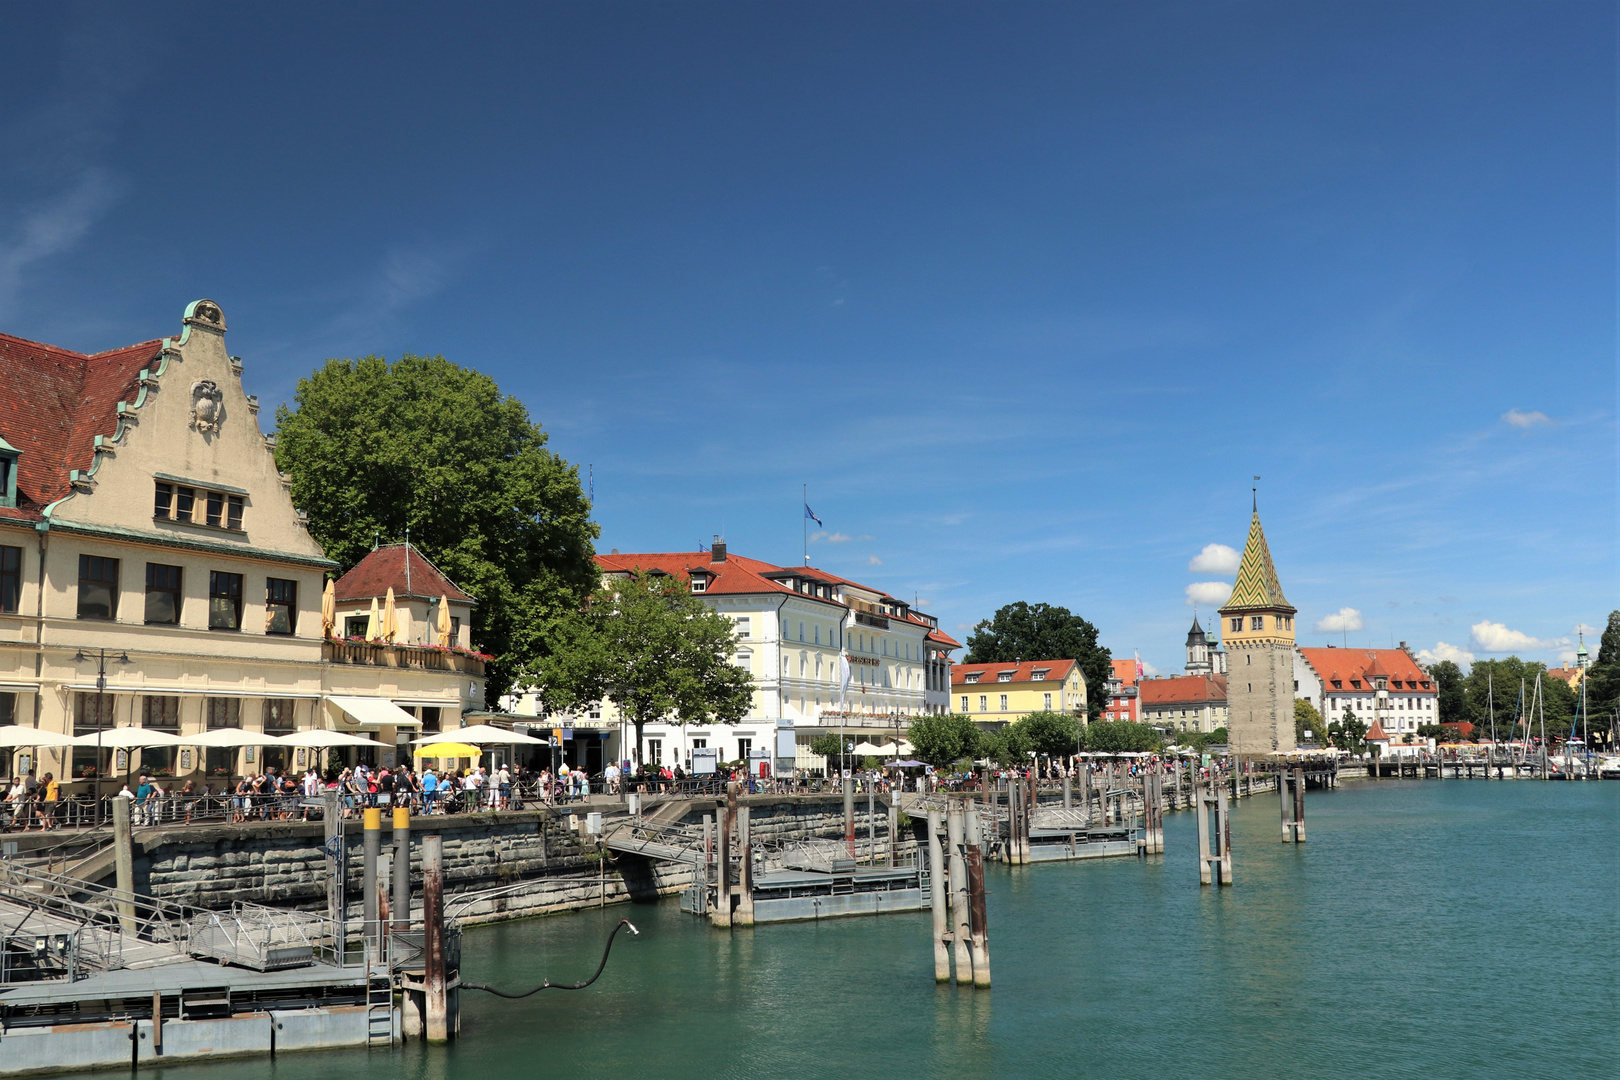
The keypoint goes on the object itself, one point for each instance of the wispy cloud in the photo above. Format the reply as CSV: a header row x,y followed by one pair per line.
x,y
1494,637
1341,621
50,228
1208,593
873,560
1524,421
1215,559
830,537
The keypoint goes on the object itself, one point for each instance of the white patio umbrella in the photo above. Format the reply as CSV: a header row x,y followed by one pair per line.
x,y
224,738
481,735
129,738
318,738
12,735
867,749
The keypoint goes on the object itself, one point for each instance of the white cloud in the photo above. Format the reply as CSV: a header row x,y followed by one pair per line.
x,y
1215,559
1210,594
873,560
1149,669
1495,637
830,537
1442,651
51,228
1588,630
1523,420
1341,621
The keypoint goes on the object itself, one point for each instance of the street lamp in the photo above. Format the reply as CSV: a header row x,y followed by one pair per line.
x,y
101,693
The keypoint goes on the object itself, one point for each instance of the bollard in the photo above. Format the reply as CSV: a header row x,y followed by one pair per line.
x,y
1068,792
745,882
977,923
124,867
434,975
157,1023
402,868
936,897
961,928
371,819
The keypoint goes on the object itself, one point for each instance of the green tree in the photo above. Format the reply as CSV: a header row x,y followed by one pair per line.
x,y
1348,733
1451,694
645,643
1603,679
1121,736
1051,733
1023,631
943,740
831,747
1499,682
1307,721
429,448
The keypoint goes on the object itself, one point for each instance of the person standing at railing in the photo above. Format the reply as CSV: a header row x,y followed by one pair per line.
x,y
52,790
430,789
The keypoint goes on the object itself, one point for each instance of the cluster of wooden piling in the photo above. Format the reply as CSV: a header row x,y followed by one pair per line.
x,y
1291,791
956,889
734,894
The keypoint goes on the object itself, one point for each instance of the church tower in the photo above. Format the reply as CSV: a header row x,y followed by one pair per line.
x,y
1197,650
1258,625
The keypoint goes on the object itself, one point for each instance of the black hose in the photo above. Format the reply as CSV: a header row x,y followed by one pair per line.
x,y
548,984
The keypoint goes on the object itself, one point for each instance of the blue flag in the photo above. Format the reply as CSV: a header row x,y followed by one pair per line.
x,y
811,514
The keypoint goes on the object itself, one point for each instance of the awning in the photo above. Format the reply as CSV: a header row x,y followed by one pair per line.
x,y
370,712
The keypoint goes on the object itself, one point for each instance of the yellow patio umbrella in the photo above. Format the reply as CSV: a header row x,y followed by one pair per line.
x,y
390,617
374,622
329,607
444,620
439,751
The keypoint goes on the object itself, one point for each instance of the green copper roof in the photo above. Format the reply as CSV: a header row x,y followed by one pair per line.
x,y
1257,585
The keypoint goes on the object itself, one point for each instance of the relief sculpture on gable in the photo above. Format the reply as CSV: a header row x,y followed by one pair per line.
x,y
207,405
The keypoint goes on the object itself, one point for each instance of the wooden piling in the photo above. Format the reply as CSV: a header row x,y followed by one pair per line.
x,y
849,813
1204,873
978,926
745,877
434,975
720,915
1068,792
1299,806
1284,797
936,895
124,867
961,928
894,831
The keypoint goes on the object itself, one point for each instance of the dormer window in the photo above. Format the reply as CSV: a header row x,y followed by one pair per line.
x,y
700,583
1004,676
8,473
1338,684
972,677
1356,683
1039,675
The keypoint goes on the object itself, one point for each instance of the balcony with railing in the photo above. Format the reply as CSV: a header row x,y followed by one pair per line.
x,y
383,654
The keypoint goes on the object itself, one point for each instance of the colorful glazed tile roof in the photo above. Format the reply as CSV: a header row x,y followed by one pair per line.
x,y
1257,586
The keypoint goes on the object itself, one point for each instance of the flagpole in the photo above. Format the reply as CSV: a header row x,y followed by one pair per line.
x,y
804,519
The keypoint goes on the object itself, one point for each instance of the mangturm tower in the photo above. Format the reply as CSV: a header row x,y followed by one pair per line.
x,y
1259,633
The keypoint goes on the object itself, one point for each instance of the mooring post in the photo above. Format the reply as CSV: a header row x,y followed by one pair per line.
x,y
708,850
1034,800
894,831
936,896
961,928
371,819
1299,806
745,877
1203,811
157,1023
124,866
871,824
978,927
434,976
1223,831
1068,792
337,893
402,868
385,871
721,914
849,813
1287,801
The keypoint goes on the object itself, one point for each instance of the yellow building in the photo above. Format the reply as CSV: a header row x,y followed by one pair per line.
x,y
1004,692
154,572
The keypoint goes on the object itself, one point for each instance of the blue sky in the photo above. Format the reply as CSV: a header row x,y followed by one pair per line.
x,y
1026,294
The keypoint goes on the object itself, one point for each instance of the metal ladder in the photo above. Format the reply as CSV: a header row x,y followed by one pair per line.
x,y
379,1010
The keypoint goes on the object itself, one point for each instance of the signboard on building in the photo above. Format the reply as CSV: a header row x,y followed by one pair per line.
x,y
705,760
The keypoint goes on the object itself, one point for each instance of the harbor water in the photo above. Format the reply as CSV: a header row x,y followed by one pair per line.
x,y
1427,929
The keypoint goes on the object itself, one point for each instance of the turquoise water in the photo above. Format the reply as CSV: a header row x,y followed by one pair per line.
x,y
1428,929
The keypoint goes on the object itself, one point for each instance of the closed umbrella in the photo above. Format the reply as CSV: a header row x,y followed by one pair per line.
x,y
329,608
390,617
444,621
374,622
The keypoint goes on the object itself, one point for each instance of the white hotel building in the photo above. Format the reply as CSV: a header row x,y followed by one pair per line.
x,y
793,624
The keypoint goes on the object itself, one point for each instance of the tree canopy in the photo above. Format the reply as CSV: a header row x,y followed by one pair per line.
x,y
649,646
376,450
943,740
1451,692
1054,734
1022,631
1307,721
1121,736
1603,679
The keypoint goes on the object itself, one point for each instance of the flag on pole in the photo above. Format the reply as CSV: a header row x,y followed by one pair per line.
x,y
1138,666
811,514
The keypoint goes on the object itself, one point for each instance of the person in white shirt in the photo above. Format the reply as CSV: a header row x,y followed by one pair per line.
x,y
503,787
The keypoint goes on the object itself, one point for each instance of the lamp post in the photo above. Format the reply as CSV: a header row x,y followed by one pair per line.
x,y
101,693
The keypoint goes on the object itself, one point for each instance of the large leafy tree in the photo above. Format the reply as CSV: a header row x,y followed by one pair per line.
x,y
1493,687
943,740
645,643
1450,692
1308,721
1050,733
376,450
1022,631
1603,679
1121,736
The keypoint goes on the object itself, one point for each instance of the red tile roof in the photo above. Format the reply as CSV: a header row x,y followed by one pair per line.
x,y
1182,690
1361,664
1376,733
1125,671
738,575
990,674
400,567
54,404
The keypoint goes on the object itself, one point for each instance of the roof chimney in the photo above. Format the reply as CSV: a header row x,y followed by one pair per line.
x,y
717,553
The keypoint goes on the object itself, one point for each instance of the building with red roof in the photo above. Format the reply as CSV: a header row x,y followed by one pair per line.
x,y
1383,686
1122,701
1185,702
419,588
143,519
826,654
1002,693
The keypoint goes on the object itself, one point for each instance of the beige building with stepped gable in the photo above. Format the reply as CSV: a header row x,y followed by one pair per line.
x,y
145,530
1259,633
